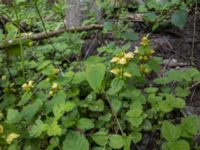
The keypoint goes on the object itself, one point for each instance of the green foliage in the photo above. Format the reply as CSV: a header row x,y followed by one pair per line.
x,y
50,100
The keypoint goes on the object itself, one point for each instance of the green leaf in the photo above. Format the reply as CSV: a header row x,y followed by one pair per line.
x,y
116,85
75,141
179,18
95,75
177,103
78,77
38,128
170,132
58,98
150,17
13,116
116,141
100,138
25,98
116,104
54,129
191,124
85,124
136,112
30,110
133,69
136,121
165,107
132,36
177,145
97,106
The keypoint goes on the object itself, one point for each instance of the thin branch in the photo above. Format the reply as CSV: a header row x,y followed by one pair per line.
x,y
43,35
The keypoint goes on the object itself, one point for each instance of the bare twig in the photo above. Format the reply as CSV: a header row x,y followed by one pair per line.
x,y
43,35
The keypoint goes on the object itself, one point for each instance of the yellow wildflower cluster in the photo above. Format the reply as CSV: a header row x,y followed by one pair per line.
x,y
54,88
145,41
11,137
27,86
122,59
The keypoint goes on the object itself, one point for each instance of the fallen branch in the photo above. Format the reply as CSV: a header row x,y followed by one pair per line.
x,y
43,35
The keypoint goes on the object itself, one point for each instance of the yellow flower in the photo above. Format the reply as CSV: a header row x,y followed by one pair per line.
x,y
51,93
145,41
136,51
3,78
115,59
122,61
127,74
30,83
1,129
27,86
11,137
129,55
115,71
56,71
54,86
151,52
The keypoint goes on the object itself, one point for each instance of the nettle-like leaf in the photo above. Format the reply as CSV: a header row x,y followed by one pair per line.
x,y
100,138
54,129
116,141
191,125
179,18
85,124
13,116
95,75
30,110
170,132
75,141
96,106
38,128
177,145
116,85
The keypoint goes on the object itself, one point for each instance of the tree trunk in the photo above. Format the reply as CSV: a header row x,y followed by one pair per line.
x,y
74,13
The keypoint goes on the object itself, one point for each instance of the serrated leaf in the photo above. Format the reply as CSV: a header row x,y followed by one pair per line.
x,y
13,116
85,124
116,85
100,138
179,18
75,141
30,110
116,141
170,132
54,129
95,75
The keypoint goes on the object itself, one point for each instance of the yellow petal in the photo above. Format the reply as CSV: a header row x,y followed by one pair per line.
x,y
136,51
122,61
115,59
30,83
127,74
54,86
145,41
115,71
11,137
129,55
1,129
